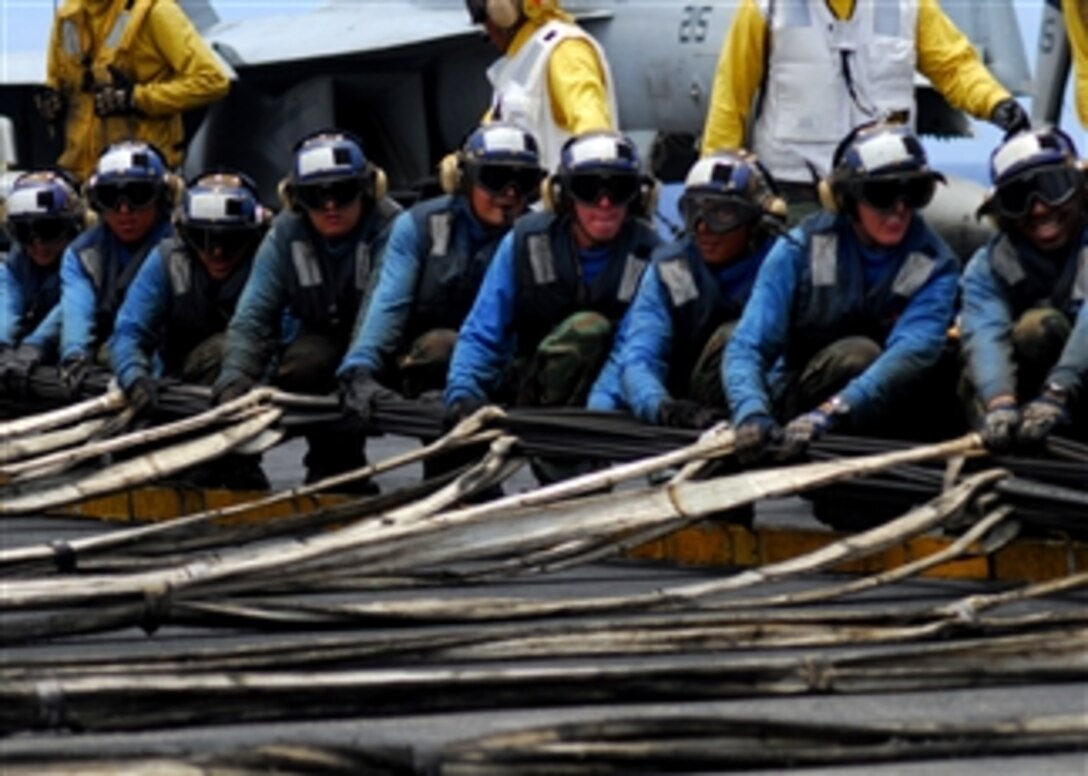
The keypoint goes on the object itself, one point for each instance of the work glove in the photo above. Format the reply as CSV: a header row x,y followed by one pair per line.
x,y
115,98
143,396
752,438
803,430
1041,416
460,409
361,393
72,372
49,103
1010,116
232,389
685,413
16,364
998,428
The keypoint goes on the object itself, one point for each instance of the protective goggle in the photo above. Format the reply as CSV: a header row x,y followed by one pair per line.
x,y
46,230
1053,186
720,215
135,194
229,240
914,191
497,179
593,187
341,193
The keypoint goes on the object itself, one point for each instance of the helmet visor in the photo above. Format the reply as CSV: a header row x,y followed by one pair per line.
x,y
1053,186
47,230
497,179
591,188
340,193
136,194
720,215
884,193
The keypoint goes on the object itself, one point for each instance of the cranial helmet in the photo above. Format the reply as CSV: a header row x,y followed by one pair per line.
x,y
331,156
502,145
140,167
221,199
872,152
45,203
604,155
734,176
1040,163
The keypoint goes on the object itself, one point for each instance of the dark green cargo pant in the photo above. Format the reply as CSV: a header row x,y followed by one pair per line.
x,y
566,363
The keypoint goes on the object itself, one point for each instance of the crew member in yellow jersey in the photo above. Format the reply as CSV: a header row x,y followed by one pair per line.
x,y
553,78
1076,24
125,70
823,67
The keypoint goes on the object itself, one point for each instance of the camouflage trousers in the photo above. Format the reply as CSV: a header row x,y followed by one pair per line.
x,y
201,365
566,363
916,408
423,368
309,365
706,376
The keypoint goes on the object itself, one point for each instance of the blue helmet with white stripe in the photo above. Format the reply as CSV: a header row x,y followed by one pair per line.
x,y
599,151
501,142
44,204
328,155
221,199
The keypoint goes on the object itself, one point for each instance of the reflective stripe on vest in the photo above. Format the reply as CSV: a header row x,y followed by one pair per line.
x,y
440,225
362,266
824,259
632,274
118,29
914,273
541,259
678,280
1080,285
180,269
1006,263
306,267
91,259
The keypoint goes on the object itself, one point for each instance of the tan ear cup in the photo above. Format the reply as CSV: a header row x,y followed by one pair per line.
x,y
175,189
381,183
826,193
776,206
90,219
503,13
449,173
651,191
548,194
283,192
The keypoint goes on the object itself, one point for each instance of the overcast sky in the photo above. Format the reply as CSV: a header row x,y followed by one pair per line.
x,y
24,26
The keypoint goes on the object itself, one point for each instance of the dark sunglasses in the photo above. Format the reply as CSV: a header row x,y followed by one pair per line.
x,y
590,189
497,179
720,215
1053,186
136,194
46,230
230,240
883,193
341,193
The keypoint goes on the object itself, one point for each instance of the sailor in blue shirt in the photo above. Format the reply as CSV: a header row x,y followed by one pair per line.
x,y
1025,321
856,301
43,214
433,265
315,263
179,304
133,193
558,284
666,364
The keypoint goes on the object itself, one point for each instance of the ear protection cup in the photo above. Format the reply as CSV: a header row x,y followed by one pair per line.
x,y
381,183
173,188
648,196
503,13
825,191
450,174
551,194
285,194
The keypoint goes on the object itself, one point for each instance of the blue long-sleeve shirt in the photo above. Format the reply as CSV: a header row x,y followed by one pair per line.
x,y
781,309
991,307
29,296
387,318
79,295
138,329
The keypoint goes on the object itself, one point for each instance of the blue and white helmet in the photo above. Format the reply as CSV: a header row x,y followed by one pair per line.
x,y
221,199
732,176
45,203
881,149
501,142
328,155
1024,151
1038,164
599,151
129,160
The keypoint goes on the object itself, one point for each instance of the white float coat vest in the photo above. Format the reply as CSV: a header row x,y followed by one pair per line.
x,y
811,100
521,93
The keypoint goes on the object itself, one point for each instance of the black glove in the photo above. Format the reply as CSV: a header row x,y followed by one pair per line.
x,y
461,409
1010,116
16,365
685,413
1042,416
49,103
143,395
361,393
754,436
998,428
805,429
72,372
116,98
232,389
